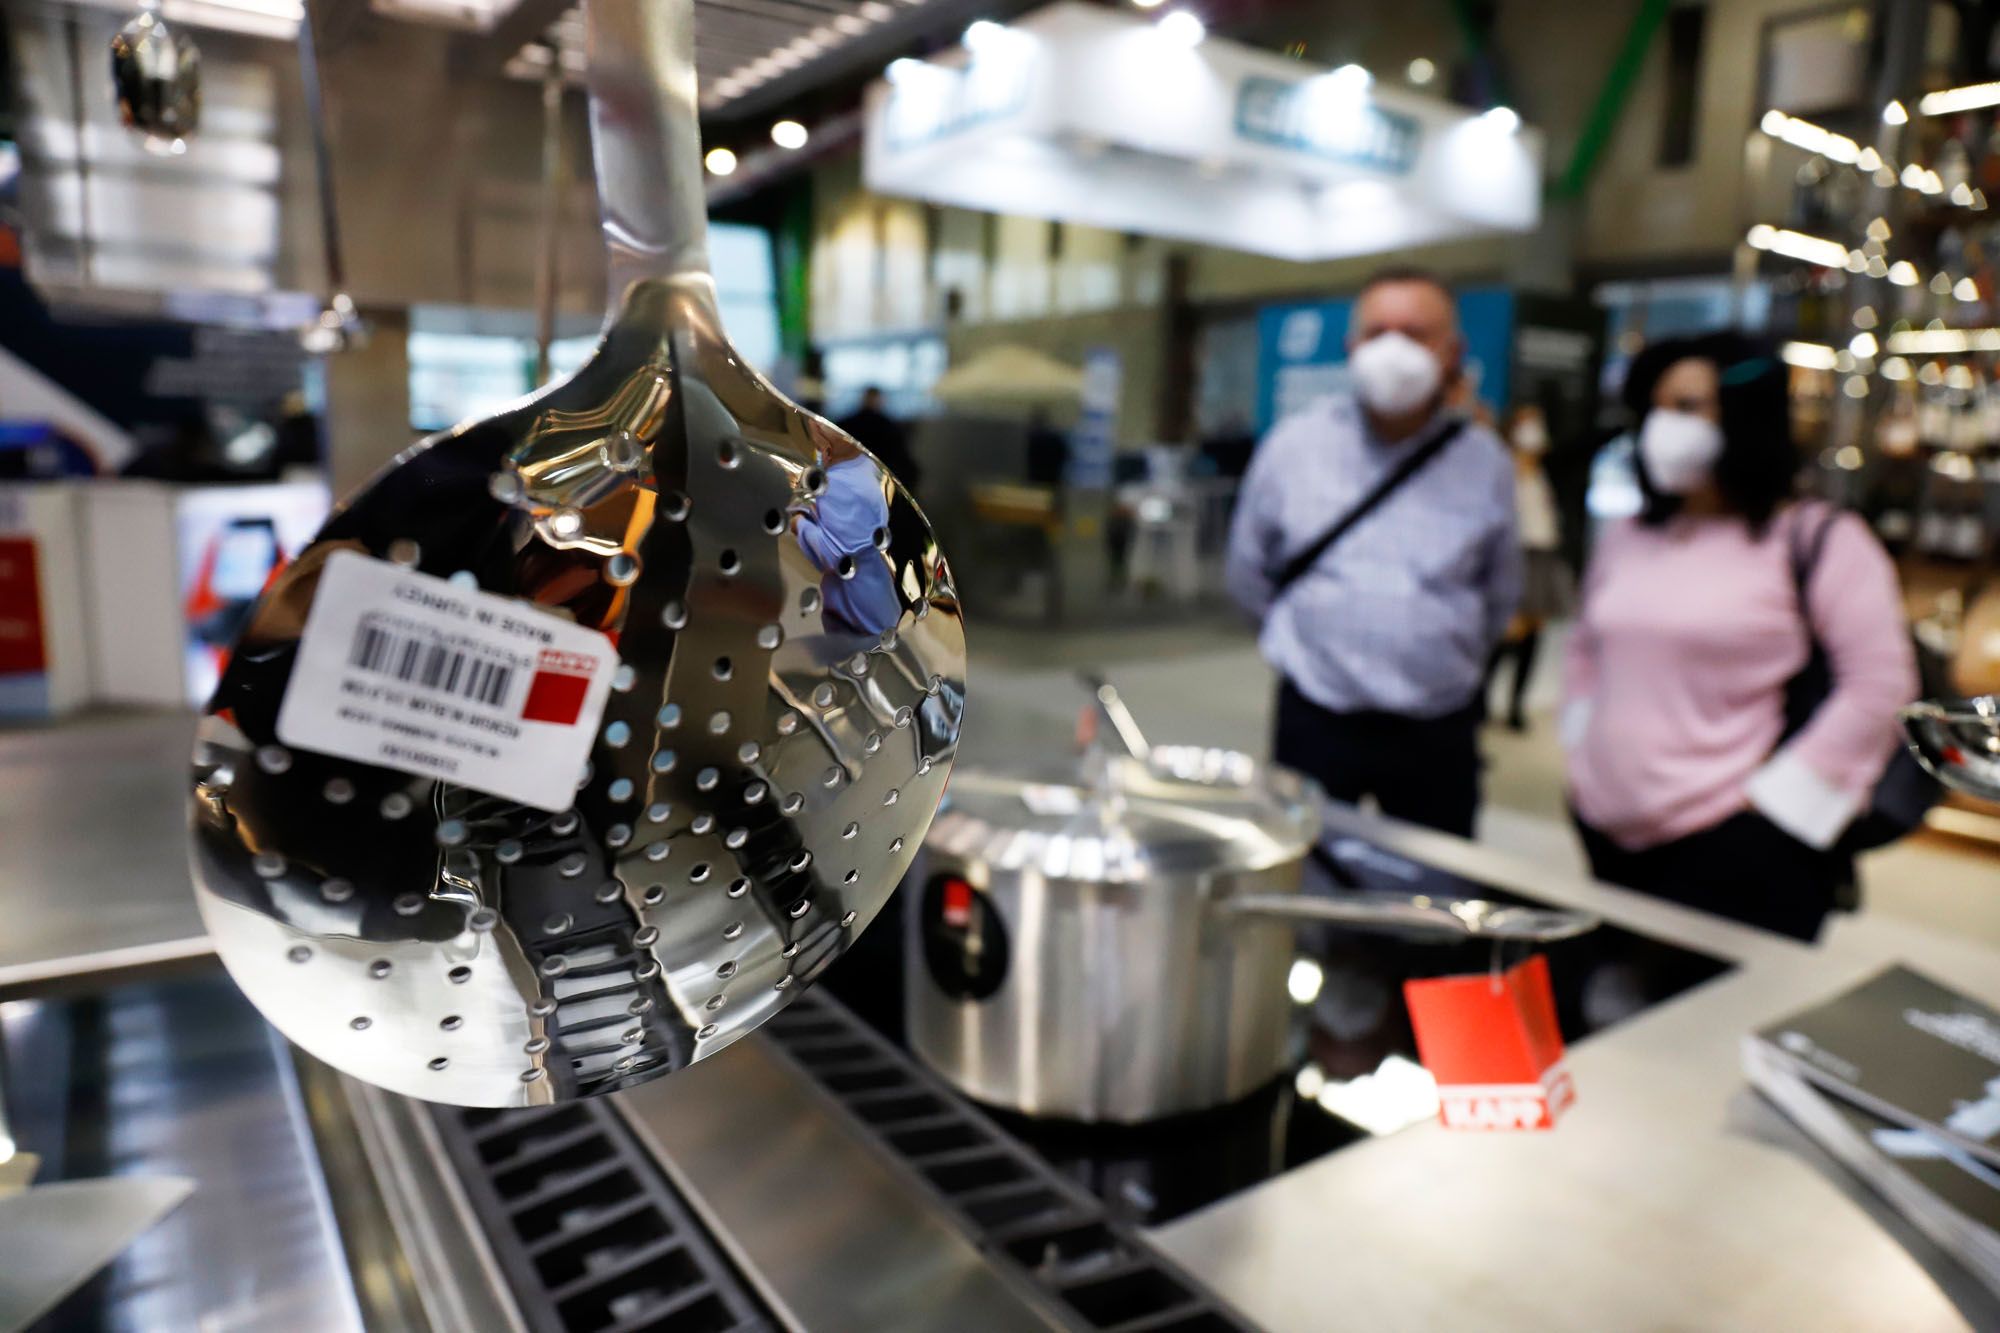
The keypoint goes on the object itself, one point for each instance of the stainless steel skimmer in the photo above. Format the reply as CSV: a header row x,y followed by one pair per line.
x,y
775,738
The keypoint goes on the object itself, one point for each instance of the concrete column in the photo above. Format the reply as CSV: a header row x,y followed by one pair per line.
x,y
368,400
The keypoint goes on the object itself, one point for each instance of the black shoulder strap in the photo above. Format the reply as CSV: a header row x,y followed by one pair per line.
x,y
1806,559
1288,573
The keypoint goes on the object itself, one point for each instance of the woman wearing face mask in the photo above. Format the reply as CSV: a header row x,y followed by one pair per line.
x,y
1681,778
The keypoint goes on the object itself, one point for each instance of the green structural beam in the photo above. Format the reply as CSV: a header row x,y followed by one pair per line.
x,y
791,255
1611,99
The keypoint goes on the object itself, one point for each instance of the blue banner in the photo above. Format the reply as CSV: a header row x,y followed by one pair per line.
x,y
1302,350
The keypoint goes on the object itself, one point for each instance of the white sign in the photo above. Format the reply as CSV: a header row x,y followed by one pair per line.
x,y
415,673
1089,114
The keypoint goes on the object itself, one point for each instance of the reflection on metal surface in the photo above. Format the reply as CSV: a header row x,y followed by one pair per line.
x,y
182,1080
752,1143
156,74
774,746
57,1237
1959,744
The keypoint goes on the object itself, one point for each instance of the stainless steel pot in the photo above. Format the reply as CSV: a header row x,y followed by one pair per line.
x,y
1113,945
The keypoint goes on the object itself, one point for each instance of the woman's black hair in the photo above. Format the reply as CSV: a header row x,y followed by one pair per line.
x,y
1759,462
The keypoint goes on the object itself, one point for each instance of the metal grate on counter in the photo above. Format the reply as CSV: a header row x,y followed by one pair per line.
x,y
1025,1216
592,1237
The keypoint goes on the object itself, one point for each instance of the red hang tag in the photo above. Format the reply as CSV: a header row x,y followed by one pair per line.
x,y
1492,1043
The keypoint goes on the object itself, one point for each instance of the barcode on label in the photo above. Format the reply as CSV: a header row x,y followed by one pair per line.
x,y
434,664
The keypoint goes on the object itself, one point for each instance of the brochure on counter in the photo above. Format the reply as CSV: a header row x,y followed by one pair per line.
x,y
1899,1078
1908,1049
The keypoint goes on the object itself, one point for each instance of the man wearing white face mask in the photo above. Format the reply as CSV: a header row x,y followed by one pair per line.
x,y
1374,538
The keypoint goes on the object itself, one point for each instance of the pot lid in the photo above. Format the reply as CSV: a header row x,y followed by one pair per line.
x,y
1182,810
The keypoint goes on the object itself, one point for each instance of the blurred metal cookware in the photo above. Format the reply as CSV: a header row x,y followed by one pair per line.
x,y
1113,945
1958,743
156,74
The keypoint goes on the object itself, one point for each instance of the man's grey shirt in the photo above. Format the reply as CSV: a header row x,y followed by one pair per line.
x,y
1400,614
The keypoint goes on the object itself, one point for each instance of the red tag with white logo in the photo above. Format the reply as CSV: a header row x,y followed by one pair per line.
x,y
1492,1044
559,687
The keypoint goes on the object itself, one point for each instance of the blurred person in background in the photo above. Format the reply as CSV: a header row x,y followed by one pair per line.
x,y
1374,539
883,436
1681,778
1546,591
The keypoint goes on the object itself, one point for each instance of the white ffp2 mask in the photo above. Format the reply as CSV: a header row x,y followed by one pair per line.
x,y
1394,373
1678,450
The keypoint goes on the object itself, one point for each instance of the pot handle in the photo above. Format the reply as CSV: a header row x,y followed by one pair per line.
x,y
1466,917
1114,712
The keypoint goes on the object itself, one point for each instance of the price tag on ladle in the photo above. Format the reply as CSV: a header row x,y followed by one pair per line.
x,y
418,674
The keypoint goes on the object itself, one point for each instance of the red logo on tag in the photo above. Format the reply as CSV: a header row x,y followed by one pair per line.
x,y
1493,1046
557,691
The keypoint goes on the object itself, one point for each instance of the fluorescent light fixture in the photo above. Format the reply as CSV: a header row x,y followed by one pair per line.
x,y
1856,262
850,24
1352,76
1864,345
1961,194
1808,356
875,11
1966,290
1903,273
1798,245
1810,137
1304,980
1870,160
1895,114
789,134
1943,342
1148,4
1182,28
720,161
1895,368
1502,118
1420,71
1960,99
1855,386
902,69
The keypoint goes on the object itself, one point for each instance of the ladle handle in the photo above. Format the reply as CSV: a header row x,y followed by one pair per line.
x,y
646,142
1463,917
1117,716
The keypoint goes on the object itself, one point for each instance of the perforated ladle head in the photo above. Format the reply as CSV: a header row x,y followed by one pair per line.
x,y
789,674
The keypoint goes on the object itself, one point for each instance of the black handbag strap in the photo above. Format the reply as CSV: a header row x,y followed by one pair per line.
x,y
1805,561
1294,567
